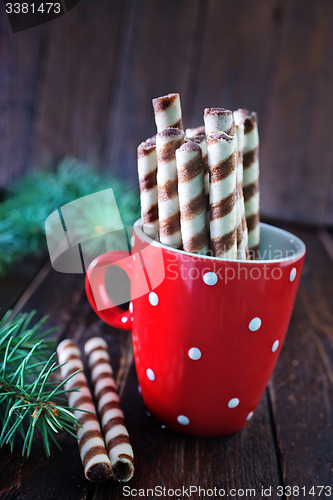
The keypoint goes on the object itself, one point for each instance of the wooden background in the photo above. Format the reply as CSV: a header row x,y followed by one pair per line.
x,y
82,85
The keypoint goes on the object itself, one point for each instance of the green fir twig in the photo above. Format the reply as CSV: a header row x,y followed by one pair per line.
x,y
33,198
30,399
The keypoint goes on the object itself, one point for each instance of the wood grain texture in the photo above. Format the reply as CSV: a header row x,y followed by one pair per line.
x,y
302,383
297,152
20,60
74,96
158,49
236,56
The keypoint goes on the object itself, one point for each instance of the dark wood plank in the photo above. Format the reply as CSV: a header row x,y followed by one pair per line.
x,y
238,50
20,62
329,203
301,387
17,279
77,83
296,154
158,50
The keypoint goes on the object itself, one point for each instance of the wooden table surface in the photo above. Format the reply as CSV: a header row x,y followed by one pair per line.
x,y
288,442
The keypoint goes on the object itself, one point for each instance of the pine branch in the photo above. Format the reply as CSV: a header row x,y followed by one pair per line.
x,y
40,193
30,398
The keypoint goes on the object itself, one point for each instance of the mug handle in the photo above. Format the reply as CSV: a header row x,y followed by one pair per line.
x,y
112,315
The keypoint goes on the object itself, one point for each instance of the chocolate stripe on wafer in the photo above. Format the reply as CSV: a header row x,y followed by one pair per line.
x,y
96,463
147,171
219,120
168,113
202,142
251,177
112,418
242,231
192,201
167,142
191,133
222,160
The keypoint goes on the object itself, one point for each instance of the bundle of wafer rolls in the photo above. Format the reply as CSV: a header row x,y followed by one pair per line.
x,y
199,189
105,452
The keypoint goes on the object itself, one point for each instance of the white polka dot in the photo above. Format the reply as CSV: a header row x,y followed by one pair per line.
x,y
124,319
275,345
130,307
150,374
133,240
292,275
250,415
183,420
132,319
210,279
134,258
139,389
233,403
255,324
194,353
163,427
153,298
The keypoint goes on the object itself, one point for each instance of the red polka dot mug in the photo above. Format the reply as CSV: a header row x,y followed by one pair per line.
x,y
206,332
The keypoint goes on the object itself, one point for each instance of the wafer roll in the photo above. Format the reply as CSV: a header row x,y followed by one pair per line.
x,y
251,178
202,142
242,234
219,120
147,170
96,463
168,112
190,133
192,200
222,160
112,418
167,142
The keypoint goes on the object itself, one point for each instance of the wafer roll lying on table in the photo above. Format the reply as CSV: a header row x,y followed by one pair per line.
x,y
192,200
222,160
112,418
167,142
147,171
168,112
242,234
190,133
96,463
251,178
219,120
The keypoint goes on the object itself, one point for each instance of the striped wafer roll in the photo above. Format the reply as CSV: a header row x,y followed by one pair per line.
x,y
96,463
222,159
168,112
190,133
242,234
251,178
202,142
111,415
147,170
192,200
219,120
167,142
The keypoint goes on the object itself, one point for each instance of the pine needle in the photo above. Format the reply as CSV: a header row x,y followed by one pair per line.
x,y
22,231
30,398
